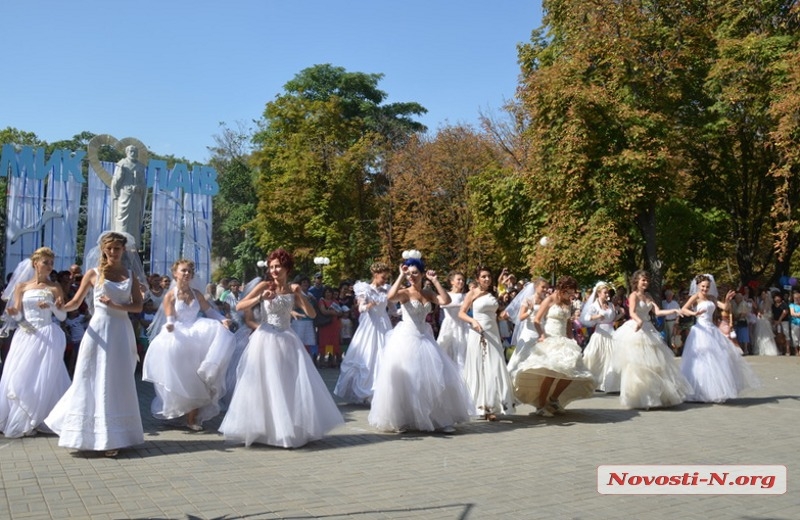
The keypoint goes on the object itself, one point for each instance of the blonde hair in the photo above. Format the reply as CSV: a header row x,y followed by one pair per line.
x,y
42,252
379,267
180,261
108,239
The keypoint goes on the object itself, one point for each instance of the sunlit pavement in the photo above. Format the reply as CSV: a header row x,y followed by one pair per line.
x,y
521,467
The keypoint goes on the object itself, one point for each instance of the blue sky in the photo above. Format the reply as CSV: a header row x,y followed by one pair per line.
x,y
169,71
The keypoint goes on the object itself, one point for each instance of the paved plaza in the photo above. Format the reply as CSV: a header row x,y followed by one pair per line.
x,y
521,467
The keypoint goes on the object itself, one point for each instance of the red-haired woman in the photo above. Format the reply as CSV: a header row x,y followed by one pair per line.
x,y
280,398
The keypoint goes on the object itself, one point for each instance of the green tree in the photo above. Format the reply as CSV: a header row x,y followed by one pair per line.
x,y
320,156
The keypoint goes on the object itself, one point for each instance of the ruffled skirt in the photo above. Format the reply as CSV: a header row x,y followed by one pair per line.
x,y
34,379
280,398
417,387
188,368
714,367
649,375
560,358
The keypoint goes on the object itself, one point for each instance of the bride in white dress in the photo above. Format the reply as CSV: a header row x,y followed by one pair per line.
x,y
35,376
710,362
100,410
764,338
649,375
453,332
522,311
188,359
280,398
554,374
418,387
485,369
360,364
600,313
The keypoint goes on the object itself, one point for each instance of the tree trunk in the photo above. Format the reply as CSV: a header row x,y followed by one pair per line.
x,y
647,225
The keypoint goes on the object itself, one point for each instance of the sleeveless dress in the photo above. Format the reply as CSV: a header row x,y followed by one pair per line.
x,y
280,398
557,356
361,362
764,337
100,410
485,370
712,364
453,332
418,387
525,341
598,354
35,376
649,375
187,366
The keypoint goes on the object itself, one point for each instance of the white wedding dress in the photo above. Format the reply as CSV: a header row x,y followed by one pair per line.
x,y
100,410
360,364
453,332
188,365
34,376
712,364
280,398
418,387
485,372
598,354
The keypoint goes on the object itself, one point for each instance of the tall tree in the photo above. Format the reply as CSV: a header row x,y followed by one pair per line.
x,y
320,156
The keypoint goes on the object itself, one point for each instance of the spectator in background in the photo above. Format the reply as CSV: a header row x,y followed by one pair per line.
x,y
670,322
330,334
316,289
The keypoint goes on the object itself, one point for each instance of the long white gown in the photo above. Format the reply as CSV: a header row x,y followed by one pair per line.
x,y
188,365
556,356
485,370
649,375
526,340
35,376
100,410
712,364
280,398
598,354
361,362
764,337
453,332
418,387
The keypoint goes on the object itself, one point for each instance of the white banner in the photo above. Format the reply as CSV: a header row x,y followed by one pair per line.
x,y
197,237
98,209
165,230
63,203
25,219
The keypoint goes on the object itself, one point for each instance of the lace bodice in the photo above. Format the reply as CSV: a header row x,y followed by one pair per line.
x,y
30,307
278,311
414,312
557,318
186,312
707,318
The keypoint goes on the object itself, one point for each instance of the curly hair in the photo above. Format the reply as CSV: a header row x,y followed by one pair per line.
x,y
283,257
186,261
638,275
565,283
379,267
42,252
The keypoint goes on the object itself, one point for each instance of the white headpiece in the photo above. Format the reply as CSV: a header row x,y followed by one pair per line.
x,y
130,259
712,286
586,311
412,253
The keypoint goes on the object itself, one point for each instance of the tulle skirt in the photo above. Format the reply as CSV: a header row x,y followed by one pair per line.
x,y
280,398
100,409
764,340
714,367
417,387
560,358
241,338
34,379
361,362
453,340
649,375
598,358
486,375
188,368
524,346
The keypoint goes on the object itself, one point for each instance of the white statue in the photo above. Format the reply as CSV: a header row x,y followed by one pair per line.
x,y
129,188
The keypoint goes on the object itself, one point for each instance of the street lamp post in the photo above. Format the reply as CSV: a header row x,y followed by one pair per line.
x,y
545,242
322,261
